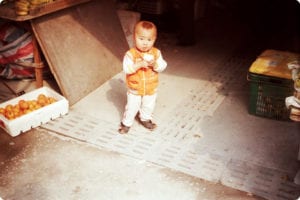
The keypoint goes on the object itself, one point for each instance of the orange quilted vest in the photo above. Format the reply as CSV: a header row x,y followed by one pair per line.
x,y
145,80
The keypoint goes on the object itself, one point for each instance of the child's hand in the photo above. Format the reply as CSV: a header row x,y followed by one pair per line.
x,y
142,64
151,63
146,61
149,59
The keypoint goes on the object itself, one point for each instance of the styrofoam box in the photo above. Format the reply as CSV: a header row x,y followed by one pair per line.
x,y
37,117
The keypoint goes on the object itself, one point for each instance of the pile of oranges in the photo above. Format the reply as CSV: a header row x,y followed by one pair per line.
x,y
25,106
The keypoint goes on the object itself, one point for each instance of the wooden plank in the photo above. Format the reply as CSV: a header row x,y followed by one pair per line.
x,y
7,11
83,45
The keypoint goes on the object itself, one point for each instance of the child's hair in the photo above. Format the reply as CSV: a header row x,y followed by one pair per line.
x,y
146,25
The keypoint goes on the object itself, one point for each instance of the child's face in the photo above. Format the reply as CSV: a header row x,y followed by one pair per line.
x,y
144,38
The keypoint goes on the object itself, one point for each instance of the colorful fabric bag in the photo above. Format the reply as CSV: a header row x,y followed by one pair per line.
x,y
16,47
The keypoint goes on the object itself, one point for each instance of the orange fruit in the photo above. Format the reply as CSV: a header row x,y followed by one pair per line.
x,y
9,114
16,106
31,105
42,96
8,107
37,106
23,104
51,100
16,112
42,102
2,111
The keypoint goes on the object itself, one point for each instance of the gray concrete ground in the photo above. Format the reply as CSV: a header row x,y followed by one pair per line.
x,y
207,146
40,165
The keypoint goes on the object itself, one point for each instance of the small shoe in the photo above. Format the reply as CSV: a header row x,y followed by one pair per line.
x,y
148,124
123,129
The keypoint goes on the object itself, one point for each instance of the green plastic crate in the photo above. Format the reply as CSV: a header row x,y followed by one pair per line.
x,y
267,96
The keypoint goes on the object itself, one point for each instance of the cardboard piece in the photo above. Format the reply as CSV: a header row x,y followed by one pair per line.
x,y
128,20
83,45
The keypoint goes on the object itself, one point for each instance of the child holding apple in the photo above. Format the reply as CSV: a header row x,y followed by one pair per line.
x,y
142,64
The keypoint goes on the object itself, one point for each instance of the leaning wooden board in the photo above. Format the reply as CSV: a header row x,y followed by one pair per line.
x,y
83,45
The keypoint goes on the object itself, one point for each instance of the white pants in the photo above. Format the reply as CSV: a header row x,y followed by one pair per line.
x,y
142,104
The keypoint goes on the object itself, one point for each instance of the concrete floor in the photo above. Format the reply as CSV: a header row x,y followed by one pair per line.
x,y
204,86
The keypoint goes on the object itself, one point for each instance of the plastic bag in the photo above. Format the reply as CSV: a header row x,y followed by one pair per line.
x,y
16,47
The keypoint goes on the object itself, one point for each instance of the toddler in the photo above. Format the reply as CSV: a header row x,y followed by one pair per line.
x,y
141,64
